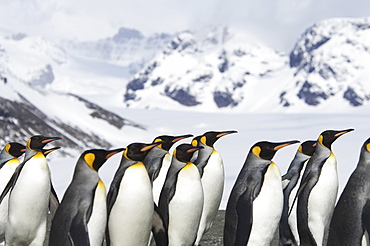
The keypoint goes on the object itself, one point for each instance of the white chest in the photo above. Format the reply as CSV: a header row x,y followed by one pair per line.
x,y
131,216
98,220
186,207
321,201
213,175
28,203
213,186
7,171
267,208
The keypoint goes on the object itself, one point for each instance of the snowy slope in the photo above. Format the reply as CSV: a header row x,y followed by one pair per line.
x,y
26,111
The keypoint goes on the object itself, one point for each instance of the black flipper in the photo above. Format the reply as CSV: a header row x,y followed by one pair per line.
x,y
302,186
168,191
366,217
244,211
53,201
78,233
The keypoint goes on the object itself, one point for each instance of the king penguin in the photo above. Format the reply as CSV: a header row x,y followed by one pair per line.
x,y
288,231
211,168
158,160
346,226
8,163
81,217
256,201
130,199
181,199
318,190
30,189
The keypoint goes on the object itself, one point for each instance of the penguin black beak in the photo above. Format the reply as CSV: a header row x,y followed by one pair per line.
x,y
50,139
343,132
181,137
113,152
221,134
284,144
149,146
194,148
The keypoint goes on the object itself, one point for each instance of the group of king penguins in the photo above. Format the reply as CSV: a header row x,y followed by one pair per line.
x,y
300,207
164,197
155,196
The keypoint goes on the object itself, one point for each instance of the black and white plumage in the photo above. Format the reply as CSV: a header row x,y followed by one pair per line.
x,y
81,217
181,199
318,190
211,168
158,160
288,231
351,218
30,188
130,199
8,163
256,201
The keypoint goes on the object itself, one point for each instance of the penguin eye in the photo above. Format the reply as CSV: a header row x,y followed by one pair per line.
x,y
256,151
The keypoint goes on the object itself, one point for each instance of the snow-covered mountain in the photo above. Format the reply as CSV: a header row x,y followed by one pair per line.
x,y
27,107
218,69
331,62
221,70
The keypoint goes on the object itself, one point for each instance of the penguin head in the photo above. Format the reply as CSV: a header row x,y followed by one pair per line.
x,y
95,158
48,151
328,137
266,150
307,147
37,142
184,152
138,151
168,141
210,138
15,149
